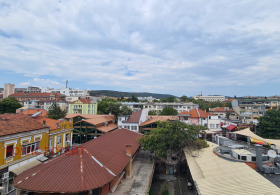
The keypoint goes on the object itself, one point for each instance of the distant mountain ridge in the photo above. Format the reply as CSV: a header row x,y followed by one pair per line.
x,y
119,94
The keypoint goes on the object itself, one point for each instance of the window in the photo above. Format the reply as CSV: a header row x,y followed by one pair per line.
x,y
59,140
67,137
9,151
133,127
217,126
30,148
212,126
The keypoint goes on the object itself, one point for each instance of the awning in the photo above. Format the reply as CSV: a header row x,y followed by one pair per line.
x,y
230,127
25,167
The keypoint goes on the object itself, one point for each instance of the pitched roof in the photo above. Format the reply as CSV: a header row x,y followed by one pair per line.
x,y
83,100
18,123
230,127
107,128
87,116
197,113
97,163
153,119
99,119
35,110
49,122
134,117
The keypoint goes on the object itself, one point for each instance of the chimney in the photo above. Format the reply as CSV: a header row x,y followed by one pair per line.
x,y
259,157
44,123
128,150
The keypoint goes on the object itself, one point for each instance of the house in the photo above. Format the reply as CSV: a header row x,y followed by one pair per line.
x,y
180,107
23,140
83,106
133,121
151,122
60,134
221,111
95,167
195,116
89,126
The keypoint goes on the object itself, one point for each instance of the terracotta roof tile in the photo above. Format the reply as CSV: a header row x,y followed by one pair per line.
x,y
197,113
134,117
101,160
49,122
33,111
83,100
18,123
153,119
220,109
107,128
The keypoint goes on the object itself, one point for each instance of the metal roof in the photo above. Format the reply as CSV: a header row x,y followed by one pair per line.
x,y
214,175
96,163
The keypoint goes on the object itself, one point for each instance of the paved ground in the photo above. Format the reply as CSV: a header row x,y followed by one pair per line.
x,y
141,178
175,185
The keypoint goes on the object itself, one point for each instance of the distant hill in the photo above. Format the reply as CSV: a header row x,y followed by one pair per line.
x,y
128,94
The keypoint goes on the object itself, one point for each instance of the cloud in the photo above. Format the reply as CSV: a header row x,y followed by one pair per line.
x,y
178,47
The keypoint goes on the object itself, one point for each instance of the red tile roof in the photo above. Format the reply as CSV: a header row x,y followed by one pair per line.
x,y
83,100
134,117
35,94
33,111
52,123
231,127
220,109
87,116
153,119
196,113
18,123
101,160
108,128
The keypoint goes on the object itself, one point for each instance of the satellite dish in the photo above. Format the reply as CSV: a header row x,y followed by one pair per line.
x,y
271,153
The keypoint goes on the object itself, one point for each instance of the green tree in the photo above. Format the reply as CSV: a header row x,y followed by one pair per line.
x,y
269,124
55,112
168,111
228,104
133,99
125,111
170,138
152,112
183,98
103,105
228,114
9,105
113,108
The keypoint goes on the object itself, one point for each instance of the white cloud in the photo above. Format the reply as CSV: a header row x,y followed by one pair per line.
x,y
174,47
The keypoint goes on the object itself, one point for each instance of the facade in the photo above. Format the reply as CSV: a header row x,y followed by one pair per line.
x,y
221,111
68,91
60,134
87,127
31,89
180,107
1,97
214,123
83,106
96,167
250,110
23,140
9,89
210,98
151,122
195,116
133,121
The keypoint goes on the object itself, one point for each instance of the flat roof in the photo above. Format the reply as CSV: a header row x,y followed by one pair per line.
x,y
214,175
242,152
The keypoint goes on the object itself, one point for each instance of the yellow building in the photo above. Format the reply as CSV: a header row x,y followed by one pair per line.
x,y
23,140
60,135
83,106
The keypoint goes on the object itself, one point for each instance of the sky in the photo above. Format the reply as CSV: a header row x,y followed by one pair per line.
x,y
178,47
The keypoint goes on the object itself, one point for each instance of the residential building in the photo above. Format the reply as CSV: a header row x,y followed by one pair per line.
x,y
151,122
34,111
67,91
250,110
195,116
221,111
149,99
31,89
133,121
180,107
9,89
210,98
83,106
1,97
214,123
23,140
96,167
88,126
60,134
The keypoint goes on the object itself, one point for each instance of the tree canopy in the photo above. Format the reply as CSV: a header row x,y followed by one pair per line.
x,y
125,111
55,112
168,111
269,124
183,98
152,112
170,138
9,105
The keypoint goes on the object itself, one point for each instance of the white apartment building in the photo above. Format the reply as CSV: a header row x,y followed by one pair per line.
x,y
67,91
214,123
180,107
210,98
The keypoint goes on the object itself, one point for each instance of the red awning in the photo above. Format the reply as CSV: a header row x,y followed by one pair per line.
x,y
230,127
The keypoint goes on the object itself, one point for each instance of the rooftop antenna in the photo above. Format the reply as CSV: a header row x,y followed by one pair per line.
x,y
66,83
